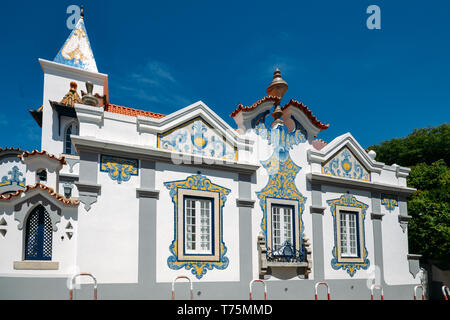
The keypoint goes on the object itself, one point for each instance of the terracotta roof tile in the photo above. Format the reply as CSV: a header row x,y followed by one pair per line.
x,y
27,154
319,144
307,112
132,112
57,196
256,104
11,149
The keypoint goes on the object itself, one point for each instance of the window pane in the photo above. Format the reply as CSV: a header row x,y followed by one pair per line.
x,y
282,226
348,229
276,228
198,226
68,141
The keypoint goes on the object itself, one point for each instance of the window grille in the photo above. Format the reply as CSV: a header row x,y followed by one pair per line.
x,y
39,232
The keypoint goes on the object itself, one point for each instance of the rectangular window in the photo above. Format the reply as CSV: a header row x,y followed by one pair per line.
x,y
349,233
282,226
198,226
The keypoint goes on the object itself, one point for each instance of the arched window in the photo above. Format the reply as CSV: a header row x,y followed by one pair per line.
x,y
38,236
72,128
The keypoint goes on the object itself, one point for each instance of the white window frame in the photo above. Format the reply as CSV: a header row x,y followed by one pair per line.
x,y
345,255
71,125
349,233
182,254
195,237
283,212
270,202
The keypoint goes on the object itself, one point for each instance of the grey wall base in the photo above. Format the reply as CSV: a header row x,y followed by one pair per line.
x,y
56,289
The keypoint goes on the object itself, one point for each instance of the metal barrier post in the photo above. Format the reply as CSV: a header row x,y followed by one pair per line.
x,y
376,286
71,295
415,292
316,287
446,292
173,286
251,291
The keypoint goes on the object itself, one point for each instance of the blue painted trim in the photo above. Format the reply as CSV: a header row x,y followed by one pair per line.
x,y
348,200
200,183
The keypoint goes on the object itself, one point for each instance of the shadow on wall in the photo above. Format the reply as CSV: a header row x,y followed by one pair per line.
x,y
438,275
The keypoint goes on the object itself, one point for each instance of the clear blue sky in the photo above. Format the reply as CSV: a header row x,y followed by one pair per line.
x,y
164,55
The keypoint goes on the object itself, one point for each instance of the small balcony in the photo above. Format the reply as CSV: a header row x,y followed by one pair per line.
x,y
286,256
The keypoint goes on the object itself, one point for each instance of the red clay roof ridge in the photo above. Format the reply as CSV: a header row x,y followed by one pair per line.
x,y
114,108
27,154
256,104
307,112
51,192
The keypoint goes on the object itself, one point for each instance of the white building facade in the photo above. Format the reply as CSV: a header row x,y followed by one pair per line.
x,y
138,198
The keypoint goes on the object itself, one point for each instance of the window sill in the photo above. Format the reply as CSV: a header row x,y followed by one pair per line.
x,y
36,265
286,264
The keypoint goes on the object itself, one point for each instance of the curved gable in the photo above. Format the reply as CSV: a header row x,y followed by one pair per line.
x,y
197,137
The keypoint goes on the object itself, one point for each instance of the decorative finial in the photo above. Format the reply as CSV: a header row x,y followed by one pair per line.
x,y
278,87
88,98
72,96
82,12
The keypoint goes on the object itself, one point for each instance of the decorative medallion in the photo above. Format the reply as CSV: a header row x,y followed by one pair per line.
x,y
390,202
198,183
119,169
14,177
345,165
348,200
198,138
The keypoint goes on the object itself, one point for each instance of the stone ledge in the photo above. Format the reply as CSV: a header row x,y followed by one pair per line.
x,y
246,203
88,187
36,265
147,193
317,209
376,215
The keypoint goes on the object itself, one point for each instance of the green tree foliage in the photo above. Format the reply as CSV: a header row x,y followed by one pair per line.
x,y
422,145
427,153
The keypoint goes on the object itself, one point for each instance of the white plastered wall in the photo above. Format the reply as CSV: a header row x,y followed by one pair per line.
x,y
165,223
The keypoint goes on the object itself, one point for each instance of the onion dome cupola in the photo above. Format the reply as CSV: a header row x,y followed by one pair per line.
x,y
76,51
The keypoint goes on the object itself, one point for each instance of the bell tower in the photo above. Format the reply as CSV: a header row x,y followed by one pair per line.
x,y
73,67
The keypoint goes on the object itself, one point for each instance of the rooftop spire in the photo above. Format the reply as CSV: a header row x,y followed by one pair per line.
x,y
76,51
278,87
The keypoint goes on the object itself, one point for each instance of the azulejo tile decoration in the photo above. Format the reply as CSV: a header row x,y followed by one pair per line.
x,y
348,200
119,169
280,138
14,177
202,184
198,138
344,164
282,172
76,51
390,202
